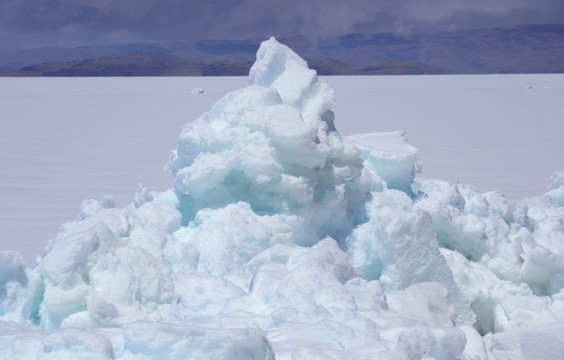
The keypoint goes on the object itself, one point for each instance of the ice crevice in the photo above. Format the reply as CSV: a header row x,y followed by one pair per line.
x,y
282,239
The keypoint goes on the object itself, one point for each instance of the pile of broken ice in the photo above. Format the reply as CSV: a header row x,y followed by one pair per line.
x,y
281,239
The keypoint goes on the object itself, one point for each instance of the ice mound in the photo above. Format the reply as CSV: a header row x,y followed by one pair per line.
x,y
274,147
280,239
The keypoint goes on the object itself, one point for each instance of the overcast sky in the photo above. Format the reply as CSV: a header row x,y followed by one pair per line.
x,y
34,23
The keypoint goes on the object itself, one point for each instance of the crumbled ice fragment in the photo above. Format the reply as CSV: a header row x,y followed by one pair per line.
x,y
16,285
427,301
543,271
30,342
390,156
556,189
142,196
177,341
12,269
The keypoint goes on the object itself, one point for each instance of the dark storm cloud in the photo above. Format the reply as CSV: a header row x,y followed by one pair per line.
x,y
75,21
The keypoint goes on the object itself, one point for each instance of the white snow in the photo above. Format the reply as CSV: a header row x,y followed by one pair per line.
x,y
89,137
281,239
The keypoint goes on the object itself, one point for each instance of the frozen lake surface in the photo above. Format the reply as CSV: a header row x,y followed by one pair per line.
x,y
64,140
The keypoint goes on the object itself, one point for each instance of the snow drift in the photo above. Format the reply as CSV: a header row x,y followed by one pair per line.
x,y
281,239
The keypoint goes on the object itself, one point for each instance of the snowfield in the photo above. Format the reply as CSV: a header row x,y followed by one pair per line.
x,y
91,137
282,238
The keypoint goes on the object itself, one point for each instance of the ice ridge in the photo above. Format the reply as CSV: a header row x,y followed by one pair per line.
x,y
281,239
273,146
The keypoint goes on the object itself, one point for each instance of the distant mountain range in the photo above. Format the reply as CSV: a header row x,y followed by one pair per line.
x,y
132,64
522,49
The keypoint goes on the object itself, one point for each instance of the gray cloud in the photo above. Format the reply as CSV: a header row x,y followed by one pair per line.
x,y
71,22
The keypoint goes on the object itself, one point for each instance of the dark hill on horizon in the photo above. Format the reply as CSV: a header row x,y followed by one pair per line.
x,y
136,64
153,64
521,49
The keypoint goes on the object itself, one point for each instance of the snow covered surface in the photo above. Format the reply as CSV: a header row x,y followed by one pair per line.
x,y
89,137
282,239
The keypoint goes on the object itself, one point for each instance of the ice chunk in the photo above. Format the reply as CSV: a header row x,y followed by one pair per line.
x,y
556,189
27,342
390,156
543,271
279,67
12,269
398,247
455,229
227,238
15,289
534,342
176,341
426,301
